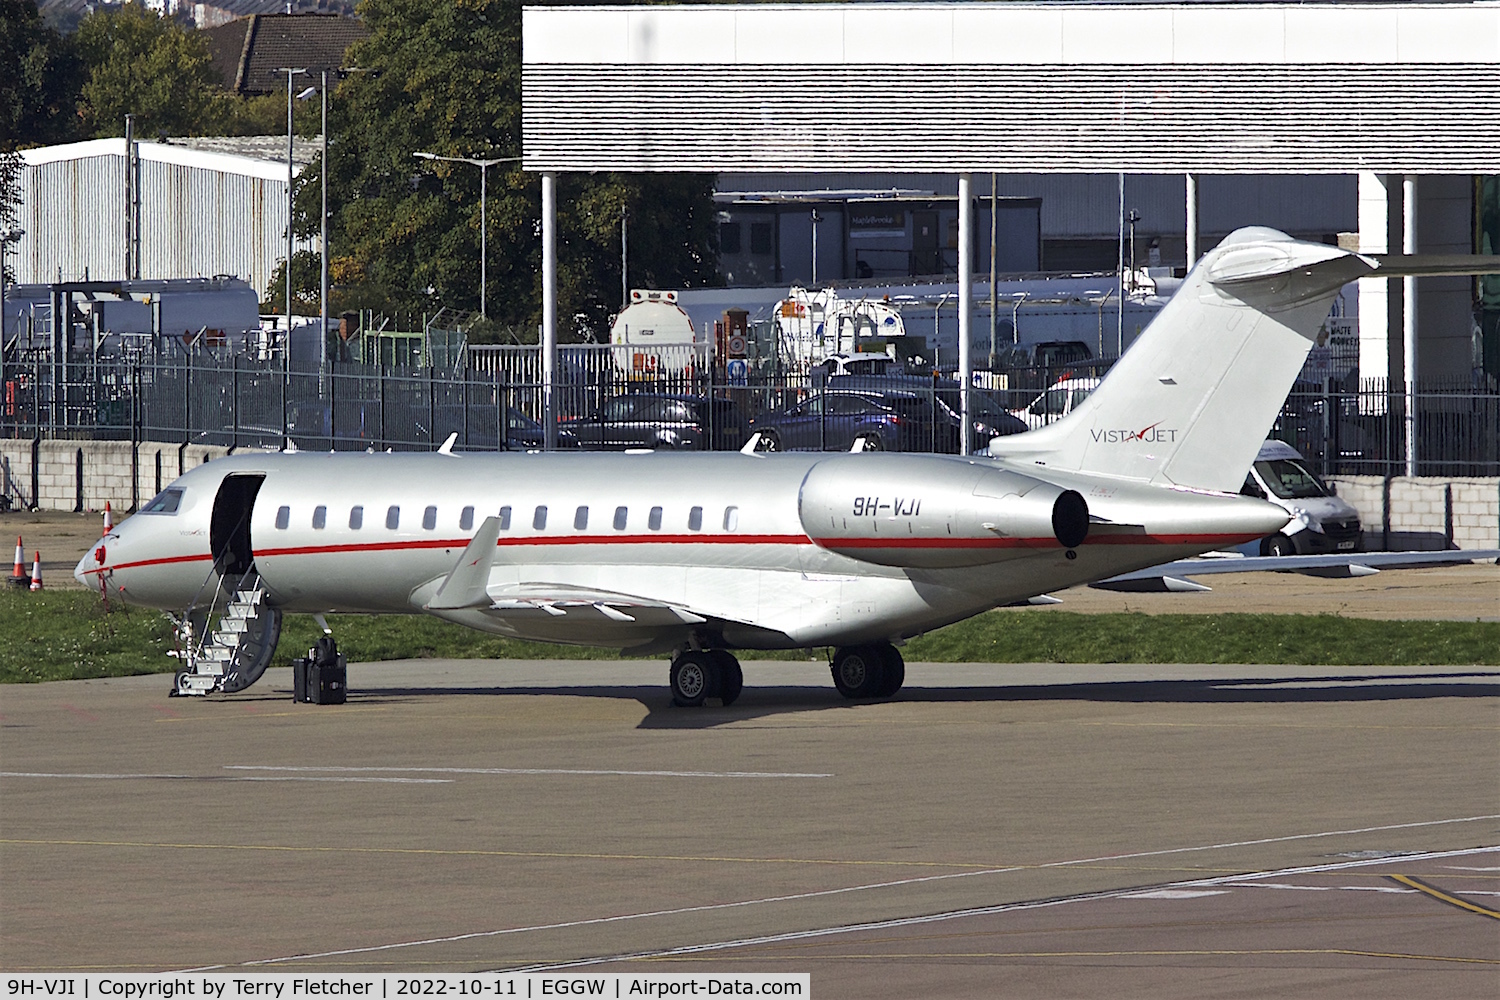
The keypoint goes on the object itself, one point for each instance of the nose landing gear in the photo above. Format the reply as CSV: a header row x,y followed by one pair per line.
x,y
876,670
700,674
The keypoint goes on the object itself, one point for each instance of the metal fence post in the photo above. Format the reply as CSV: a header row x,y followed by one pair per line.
x,y
135,437
234,402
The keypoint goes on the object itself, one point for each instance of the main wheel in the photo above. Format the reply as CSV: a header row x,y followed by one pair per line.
x,y
694,676
1280,545
731,678
858,671
769,441
895,672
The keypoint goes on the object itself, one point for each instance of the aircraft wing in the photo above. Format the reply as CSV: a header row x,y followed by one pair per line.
x,y
1176,576
533,600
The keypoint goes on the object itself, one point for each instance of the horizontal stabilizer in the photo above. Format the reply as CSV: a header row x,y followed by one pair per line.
x,y
1337,566
1151,585
465,586
1434,264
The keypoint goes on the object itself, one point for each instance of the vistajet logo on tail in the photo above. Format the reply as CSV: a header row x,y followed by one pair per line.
x,y
1154,434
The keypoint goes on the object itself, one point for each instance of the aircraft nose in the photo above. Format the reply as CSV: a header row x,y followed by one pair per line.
x,y
87,570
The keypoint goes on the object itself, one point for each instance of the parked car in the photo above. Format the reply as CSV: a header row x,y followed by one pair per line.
x,y
990,420
1058,401
882,418
651,420
1321,521
833,421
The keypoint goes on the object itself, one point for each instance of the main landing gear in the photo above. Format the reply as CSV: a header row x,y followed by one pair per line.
x,y
700,674
875,670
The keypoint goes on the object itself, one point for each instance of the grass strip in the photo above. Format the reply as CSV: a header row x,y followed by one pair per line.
x,y
62,635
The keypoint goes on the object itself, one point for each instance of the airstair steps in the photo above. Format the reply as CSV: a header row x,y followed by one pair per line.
x,y
231,656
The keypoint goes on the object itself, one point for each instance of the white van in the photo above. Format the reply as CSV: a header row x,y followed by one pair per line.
x,y
1321,522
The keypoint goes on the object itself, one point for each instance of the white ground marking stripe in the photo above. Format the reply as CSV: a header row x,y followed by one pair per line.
x,y
221,777
960,914
538,770
708,907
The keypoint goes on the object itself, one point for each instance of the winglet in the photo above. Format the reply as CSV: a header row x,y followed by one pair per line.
x,y
466,586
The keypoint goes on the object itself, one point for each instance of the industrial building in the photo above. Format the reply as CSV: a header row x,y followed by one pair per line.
x,y
110,210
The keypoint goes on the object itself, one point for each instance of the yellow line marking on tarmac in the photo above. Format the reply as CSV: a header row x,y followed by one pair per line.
x,y
1186,953
1451,900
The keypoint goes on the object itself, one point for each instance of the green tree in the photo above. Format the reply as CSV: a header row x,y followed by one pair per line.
x,y
142,64
39,79
444,76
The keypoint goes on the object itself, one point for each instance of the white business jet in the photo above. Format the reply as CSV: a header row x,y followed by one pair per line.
x,y
697,555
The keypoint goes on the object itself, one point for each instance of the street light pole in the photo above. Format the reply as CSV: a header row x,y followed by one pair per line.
x,y
323,243
484,166
290,72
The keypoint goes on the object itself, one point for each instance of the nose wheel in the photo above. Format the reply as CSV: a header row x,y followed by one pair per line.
x,y
700,674
876,670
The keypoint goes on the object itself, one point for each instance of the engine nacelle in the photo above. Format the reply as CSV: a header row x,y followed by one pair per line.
x,y
928,512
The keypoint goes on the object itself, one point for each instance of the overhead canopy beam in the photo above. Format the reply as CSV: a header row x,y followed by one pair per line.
x,y
1201,88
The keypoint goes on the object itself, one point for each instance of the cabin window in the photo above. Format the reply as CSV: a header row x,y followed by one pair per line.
x,y
393,517
580,519
731,518
621,514
320,517
356,518
539,519
466,519
504,518
695,519
283,517
653,521
429,519
166,502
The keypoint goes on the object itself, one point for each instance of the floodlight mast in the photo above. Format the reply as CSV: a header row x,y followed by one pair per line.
x,y
484,168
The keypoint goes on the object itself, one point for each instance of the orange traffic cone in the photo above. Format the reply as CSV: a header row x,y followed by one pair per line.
x,y
36,573
109,519
18,576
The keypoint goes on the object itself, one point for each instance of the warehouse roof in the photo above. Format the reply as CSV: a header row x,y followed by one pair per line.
x,y
262,156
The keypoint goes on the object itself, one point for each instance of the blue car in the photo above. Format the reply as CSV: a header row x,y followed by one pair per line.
x,y
887,414
833,421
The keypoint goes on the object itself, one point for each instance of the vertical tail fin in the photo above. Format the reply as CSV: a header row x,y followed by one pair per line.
x,y
1193,398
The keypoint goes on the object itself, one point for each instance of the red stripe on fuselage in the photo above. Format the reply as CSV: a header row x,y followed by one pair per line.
x,y
166,560
827,543
1025,543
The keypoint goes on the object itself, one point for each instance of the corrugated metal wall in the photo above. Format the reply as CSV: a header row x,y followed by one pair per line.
x,y
195,222
1267,119
73,212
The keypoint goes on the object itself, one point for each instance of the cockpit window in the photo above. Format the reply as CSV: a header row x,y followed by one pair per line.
x,y
166,502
